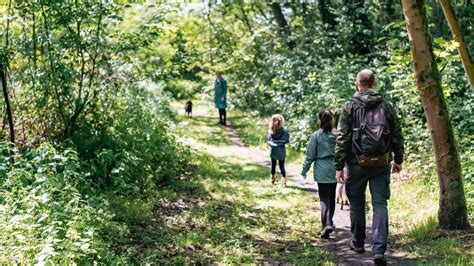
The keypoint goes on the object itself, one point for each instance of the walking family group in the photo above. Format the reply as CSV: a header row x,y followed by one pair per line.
x,y
367,143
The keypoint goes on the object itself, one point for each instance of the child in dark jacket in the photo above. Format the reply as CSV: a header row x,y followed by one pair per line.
x,y
321,150
277,138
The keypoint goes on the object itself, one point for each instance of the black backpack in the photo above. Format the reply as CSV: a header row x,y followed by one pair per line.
x,y
371,134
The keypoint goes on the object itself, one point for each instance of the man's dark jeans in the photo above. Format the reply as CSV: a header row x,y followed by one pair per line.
x,y
379,183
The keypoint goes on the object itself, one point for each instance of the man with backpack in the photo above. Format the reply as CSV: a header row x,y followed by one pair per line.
x,y
369,138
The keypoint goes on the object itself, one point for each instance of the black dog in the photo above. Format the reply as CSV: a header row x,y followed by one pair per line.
x,y
188,109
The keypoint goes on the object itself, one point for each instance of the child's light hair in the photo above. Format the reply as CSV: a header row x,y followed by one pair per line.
x,y
276,122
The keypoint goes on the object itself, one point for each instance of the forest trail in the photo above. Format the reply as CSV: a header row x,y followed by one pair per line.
x,y
342,234
338,243
339,239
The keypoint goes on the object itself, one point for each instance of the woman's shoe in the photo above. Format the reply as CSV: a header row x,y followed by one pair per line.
x,y
353,246
283,182
326,231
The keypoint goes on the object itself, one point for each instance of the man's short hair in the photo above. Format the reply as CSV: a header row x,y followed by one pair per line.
x,y
366,77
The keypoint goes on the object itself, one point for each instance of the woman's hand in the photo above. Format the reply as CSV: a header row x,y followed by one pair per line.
x,y
340,176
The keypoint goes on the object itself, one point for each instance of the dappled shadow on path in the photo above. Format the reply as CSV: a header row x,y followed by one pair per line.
x,y
212,216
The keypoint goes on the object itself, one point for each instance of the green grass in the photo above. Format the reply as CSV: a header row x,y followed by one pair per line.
x,y
251,127
413,225
225,211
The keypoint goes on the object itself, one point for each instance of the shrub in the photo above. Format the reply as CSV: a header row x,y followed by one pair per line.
x,y
183,89
43,215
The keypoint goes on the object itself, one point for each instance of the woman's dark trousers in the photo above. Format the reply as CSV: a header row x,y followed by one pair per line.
x,y
222,115
327,200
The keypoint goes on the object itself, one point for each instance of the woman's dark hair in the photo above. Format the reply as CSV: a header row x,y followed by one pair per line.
x,y
326,119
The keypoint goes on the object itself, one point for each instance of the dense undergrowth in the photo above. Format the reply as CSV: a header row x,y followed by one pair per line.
x,y
74,201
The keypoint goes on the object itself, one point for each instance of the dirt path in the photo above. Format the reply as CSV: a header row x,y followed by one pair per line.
x,y
338,242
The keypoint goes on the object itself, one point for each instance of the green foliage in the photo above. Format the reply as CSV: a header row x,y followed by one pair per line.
x,y
183,89
130,148
64,61
55,201
44,215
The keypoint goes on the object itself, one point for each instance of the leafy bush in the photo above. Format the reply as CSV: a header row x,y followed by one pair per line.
x,y
55,200
183,89
44,217
128,149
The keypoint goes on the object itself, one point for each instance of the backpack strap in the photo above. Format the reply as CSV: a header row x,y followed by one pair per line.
x,y
358,104
355,127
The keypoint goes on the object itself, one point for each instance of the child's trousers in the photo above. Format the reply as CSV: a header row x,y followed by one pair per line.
x,y
281,164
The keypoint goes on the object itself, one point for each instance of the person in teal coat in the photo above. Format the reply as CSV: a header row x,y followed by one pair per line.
x,y
220,97
321,151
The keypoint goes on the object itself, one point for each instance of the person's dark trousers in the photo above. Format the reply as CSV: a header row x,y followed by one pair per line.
x,y
281,164
222,116
379,184
327,201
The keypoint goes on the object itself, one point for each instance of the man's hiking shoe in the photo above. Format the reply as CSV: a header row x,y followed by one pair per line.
x,y
357,249
379,259
326,231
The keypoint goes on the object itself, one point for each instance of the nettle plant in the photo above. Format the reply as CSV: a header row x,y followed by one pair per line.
x,y
44,217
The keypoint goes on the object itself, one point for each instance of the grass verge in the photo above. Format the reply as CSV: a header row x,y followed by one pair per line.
x,y
224,211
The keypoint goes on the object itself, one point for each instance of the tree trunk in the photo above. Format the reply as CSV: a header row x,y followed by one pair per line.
x,y
284,29
452,212
457,36
3,77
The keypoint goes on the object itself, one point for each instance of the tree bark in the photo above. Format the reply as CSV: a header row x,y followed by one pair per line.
x,y
452,212
284,29
457,36
3,77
